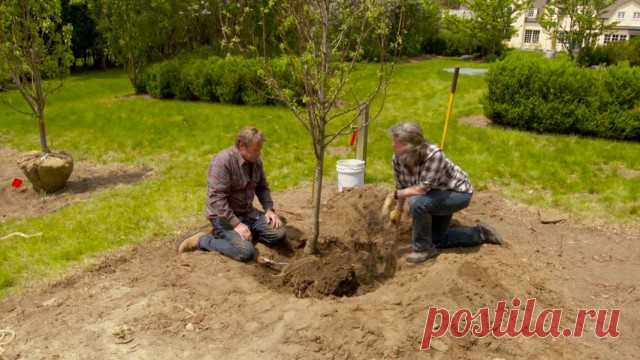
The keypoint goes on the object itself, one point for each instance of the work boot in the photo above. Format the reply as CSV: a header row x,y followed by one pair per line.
x,y
190,243
417,257
489,234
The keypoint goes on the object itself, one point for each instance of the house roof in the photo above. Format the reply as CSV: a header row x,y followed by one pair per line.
x,y
618,4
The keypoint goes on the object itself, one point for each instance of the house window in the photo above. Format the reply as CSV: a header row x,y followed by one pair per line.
x,y
531,13
531,36
636,15
614,37
620,14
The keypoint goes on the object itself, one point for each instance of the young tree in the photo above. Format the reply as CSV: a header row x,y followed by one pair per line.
x,y
485,29
325,40
34,45
577,24
492,22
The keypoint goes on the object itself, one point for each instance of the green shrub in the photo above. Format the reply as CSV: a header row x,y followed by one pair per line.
x,y
160,80
529,92
233,79
613,53
209,73
253,88
228,88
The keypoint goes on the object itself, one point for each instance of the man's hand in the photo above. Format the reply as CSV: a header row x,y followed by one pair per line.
x,y
273,219
244,231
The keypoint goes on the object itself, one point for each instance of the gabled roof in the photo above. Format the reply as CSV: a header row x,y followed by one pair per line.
x,y
618,4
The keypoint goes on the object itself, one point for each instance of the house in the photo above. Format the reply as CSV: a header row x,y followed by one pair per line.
x,y
531,35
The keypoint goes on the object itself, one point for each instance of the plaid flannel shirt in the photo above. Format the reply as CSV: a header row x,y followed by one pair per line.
x,y
435,172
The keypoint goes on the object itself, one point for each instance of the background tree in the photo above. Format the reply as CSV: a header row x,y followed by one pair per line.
x,y
34,45
577,24
486,30
135,31
85,38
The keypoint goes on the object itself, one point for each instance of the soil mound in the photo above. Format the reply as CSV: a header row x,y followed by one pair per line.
x,y
357,249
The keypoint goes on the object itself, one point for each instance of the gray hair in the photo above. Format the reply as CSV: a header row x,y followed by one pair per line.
x,y
249,135
409,133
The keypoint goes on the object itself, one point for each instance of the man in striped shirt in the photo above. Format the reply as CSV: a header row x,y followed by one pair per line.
x,y
435,188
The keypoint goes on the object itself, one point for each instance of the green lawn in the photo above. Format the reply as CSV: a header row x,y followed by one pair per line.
x,y
90,118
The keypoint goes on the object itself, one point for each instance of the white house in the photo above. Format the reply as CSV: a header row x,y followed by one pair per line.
x,y
531,35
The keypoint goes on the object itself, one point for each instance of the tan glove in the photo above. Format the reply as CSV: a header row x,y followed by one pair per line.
x,y
395,216
388,205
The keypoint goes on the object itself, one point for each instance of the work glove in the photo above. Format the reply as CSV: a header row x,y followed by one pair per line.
x,y
395,216
388,205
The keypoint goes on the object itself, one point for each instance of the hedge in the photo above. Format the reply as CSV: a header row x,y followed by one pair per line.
x,y
233,80
526,91
612,53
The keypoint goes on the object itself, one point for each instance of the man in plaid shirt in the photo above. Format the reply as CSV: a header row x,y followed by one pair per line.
x,y
436,188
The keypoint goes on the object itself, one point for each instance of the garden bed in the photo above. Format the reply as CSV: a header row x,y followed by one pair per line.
x,y
87,178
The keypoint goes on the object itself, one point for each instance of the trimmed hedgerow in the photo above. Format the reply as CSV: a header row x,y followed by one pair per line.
x,y
233,80
530,92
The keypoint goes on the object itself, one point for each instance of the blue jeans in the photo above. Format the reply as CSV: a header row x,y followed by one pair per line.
x,y
432,213
228,242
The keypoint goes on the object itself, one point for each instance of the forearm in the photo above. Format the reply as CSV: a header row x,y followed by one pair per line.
x,y
403,194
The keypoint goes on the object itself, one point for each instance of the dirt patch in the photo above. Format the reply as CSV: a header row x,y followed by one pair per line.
x,y
85,179
356,248
629,173
146,302
476,121
136,97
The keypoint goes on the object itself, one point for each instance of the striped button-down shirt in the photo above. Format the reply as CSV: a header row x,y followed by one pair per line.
x,y
434,171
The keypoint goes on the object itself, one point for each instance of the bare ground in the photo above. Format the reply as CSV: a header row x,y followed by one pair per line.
x,y
146,302
86,178
476,121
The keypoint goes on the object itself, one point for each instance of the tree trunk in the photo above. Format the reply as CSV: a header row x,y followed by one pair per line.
x,y
312,244
43,133
40,101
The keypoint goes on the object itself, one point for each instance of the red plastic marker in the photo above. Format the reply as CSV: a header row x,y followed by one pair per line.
x,y
16,183
354,137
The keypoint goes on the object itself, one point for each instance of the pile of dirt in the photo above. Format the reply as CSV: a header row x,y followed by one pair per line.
x,y
147,302
87,177
356,249
338,277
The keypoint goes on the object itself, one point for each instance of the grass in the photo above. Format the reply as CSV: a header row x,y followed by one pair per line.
x,y
92,118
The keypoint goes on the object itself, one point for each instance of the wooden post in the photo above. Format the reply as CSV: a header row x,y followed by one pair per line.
x,y
361,144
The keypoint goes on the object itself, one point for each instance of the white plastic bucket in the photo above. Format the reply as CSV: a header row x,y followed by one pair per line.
x,y
350,173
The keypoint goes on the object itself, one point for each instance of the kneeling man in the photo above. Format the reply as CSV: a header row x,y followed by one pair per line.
x,y
235,176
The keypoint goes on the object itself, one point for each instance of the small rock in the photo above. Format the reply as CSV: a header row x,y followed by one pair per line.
x,y
189,327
